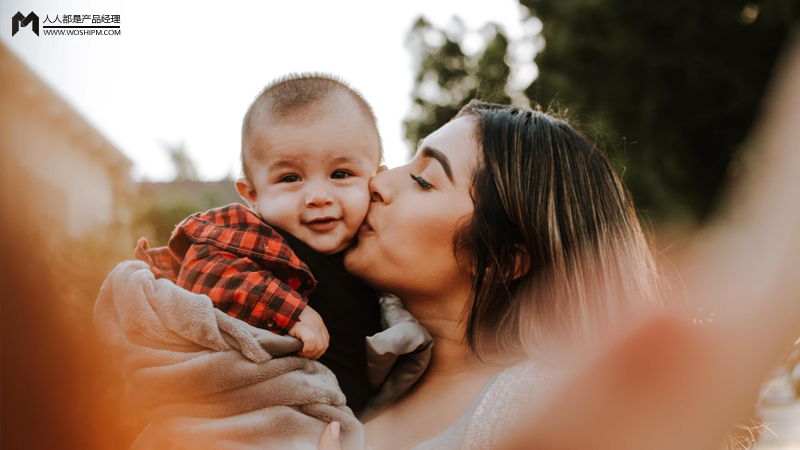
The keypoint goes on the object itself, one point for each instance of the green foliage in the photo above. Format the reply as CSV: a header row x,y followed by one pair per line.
x,y
671,88
157,217
668,89
448,78
158,213
162,206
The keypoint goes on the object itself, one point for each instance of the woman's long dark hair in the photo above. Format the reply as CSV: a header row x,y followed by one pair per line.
x,y
554,240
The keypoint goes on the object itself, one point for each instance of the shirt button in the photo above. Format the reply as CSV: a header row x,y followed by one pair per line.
x,y
270,324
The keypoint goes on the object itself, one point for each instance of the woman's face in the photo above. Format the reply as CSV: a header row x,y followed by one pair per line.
x,y
406,243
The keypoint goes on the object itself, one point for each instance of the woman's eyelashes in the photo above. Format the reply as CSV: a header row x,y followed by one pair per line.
x,y
421,182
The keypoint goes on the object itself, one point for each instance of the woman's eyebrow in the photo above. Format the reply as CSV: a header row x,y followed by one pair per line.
x,y
430,152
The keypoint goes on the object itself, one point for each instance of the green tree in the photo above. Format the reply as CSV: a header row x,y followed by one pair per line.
x,y
156,217
185,168
670,88
162,206
448,78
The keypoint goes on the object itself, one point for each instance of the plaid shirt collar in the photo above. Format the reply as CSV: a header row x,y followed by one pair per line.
x,y
239,230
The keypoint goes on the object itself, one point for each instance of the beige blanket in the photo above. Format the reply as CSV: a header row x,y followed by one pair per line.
x,y
208,381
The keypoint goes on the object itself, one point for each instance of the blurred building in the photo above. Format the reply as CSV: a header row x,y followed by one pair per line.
x,y
67,199
56,166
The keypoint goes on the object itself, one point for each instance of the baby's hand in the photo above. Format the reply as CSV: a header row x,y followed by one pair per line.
x,y
312,331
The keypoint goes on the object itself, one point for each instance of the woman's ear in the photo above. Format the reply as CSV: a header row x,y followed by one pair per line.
x,y
247,192
522,262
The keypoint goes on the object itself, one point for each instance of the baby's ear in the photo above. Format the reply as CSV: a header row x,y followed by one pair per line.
x,y
247,192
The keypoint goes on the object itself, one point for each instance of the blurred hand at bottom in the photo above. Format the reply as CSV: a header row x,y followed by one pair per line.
x,y
330,437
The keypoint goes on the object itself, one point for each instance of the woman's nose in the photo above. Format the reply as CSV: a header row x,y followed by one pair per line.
x,y
380,187
318,196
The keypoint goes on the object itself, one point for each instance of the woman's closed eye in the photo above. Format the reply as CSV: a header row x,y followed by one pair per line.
x,y
421,182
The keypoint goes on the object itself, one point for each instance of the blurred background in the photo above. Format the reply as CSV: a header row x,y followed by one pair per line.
x,y
108,138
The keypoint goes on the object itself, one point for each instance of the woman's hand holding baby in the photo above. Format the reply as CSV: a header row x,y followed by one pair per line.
x,y
330,437
312,331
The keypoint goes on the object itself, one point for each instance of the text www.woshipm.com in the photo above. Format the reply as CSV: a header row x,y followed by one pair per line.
x,y
82,32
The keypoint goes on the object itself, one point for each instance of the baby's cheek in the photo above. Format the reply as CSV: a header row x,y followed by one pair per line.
x,y
279,209
356,202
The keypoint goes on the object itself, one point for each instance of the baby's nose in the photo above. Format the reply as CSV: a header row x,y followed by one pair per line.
x,y
318,197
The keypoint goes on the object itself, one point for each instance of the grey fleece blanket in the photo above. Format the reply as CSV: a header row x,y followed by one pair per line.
x,y
205,380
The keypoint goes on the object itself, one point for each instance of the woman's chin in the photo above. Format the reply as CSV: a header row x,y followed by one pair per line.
x,y
353,258
363,263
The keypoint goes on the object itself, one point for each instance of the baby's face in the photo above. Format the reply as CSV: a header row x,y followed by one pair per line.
x,y
312,179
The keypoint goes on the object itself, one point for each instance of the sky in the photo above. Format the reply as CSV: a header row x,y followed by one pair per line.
x,y
186,72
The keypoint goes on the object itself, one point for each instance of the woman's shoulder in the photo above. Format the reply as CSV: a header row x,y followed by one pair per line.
x,y
508,399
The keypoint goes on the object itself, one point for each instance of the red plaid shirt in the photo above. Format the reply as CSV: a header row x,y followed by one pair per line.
x,y
240,262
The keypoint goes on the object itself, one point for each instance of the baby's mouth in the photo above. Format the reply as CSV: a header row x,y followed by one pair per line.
x,y
322,223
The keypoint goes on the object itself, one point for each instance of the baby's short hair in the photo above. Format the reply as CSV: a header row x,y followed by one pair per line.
x,y
292,98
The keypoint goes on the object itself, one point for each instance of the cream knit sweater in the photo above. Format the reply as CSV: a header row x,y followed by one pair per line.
x,y
507,404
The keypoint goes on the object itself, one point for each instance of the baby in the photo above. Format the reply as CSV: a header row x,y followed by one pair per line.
x,y
310,145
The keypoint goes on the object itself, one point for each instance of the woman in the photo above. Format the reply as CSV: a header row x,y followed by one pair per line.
x,y
507,231
692,382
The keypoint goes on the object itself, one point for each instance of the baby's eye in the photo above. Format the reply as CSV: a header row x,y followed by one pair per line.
x,y
339,174
290,179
